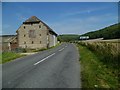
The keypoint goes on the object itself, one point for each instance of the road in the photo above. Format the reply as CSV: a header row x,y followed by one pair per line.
x,y
54,68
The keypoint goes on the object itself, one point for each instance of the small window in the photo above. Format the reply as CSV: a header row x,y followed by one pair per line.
x,y
32,34
24,27
25,46
24,35
40,42
39,26
40,34
24,42
32,42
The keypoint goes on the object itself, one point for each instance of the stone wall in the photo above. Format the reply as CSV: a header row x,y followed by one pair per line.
x,y
34,36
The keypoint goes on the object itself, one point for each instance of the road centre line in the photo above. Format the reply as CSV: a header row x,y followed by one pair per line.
x,y
61,49
44,59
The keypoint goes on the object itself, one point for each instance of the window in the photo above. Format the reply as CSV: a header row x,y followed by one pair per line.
x,y
32,42
40,42
39,26
25,46
24,35
24,27
40,34
32,34
24,42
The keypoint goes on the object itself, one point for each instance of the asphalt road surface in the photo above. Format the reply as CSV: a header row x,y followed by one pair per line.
x,y
54,68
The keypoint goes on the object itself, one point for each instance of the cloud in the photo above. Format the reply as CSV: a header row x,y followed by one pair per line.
x,y
6,26
84,11
76,13
22,14
0,29
61,0
20,17
82,25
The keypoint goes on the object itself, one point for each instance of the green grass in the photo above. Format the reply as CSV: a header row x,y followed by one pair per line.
x,y
94,72
38,50
27,50
107,52
8,56
0,58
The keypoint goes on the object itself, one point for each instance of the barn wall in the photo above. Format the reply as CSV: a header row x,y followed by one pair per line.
x,y
13,46
38,40
52,40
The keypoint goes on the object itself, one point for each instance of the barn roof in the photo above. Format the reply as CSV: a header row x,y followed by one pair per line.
x,y
34,19
7,38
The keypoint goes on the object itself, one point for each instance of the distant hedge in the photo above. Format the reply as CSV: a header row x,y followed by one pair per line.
x,y
68,38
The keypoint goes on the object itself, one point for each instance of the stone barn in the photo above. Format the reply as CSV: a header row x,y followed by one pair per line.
x,y
8,42
35,34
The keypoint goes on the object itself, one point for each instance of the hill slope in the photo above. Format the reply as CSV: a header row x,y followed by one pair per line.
x,y
68,37
111,32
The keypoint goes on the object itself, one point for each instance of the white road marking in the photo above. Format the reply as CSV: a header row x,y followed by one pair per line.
x,y
44,59
61,49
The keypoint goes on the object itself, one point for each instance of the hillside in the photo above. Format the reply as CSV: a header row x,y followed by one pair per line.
x,y
111,32
68,37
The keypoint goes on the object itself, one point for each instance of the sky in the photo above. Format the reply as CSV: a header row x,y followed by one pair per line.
x,y
60,0
62,17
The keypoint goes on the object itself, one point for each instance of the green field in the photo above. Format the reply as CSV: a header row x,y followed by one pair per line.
x,y
99,65
8,56
0,58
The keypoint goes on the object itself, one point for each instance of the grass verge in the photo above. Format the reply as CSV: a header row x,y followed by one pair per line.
x,y
8,56
94,72
27,50
0,58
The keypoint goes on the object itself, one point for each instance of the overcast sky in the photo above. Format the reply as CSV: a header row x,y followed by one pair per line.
x,y
63,18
